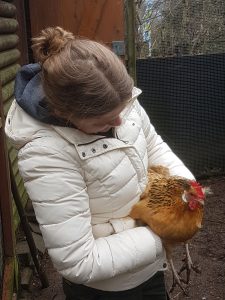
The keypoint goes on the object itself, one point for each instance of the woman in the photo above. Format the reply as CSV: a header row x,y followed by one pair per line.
x,y
85,144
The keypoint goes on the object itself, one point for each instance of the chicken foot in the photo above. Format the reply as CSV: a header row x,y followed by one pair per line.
x,y
177,280
188,264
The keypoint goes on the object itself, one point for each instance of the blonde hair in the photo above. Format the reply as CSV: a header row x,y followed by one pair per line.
x,y
80,77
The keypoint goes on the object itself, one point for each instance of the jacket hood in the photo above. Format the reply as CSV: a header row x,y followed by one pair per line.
x,y
30,95
29,114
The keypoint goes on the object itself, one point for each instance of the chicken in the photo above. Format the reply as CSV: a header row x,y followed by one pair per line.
x,y
172,207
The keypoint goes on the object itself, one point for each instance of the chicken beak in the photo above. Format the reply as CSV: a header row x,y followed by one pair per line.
x,y
201,201
207,191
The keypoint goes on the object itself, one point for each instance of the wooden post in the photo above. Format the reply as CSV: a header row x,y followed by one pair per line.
x,y
130,37
5,191
8,279
22,32
6,213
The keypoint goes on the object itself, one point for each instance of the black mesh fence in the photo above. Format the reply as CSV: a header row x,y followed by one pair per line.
x,y
179,27
185,99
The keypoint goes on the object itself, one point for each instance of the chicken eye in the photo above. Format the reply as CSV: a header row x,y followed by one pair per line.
x,y
192,195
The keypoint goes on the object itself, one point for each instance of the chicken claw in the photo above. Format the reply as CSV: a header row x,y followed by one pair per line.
x,y
177,280
188,265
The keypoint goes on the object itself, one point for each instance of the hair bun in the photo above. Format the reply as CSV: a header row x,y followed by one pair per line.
x,y
50,42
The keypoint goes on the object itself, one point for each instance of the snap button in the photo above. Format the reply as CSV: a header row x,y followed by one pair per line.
x,y
93,150
164,265
83,154
105,146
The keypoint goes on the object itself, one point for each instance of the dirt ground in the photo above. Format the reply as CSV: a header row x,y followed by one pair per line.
x,y
207,250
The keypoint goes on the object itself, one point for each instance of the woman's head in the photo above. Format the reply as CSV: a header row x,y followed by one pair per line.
x,y
82,79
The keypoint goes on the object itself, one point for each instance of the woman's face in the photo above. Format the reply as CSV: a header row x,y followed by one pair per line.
x,y
100,124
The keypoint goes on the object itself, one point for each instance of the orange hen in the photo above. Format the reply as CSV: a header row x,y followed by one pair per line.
x,y
172,207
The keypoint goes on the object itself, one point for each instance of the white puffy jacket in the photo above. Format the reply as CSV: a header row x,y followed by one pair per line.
x,y
83,187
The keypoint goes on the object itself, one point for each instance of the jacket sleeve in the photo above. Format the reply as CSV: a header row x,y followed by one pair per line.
x,y
55,184
159,153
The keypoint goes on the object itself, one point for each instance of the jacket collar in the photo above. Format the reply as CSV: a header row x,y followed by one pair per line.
x,y
88,146
78,137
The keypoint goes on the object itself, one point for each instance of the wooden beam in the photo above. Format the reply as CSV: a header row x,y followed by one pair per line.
x,y
7,10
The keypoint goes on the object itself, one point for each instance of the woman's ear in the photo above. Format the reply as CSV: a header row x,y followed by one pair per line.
x,y
61,115
57,113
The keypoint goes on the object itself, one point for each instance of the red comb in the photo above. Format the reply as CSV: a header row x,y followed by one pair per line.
x,y
198,188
